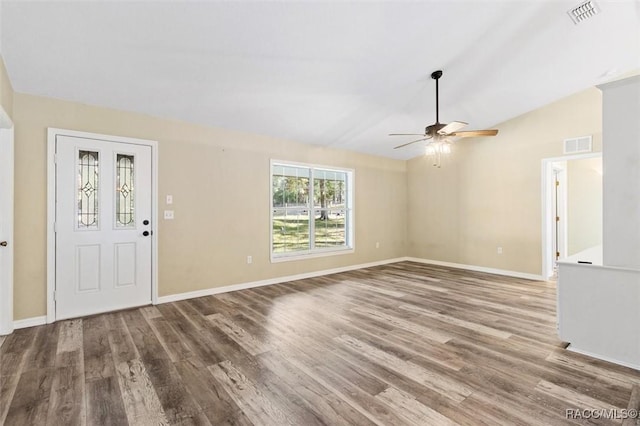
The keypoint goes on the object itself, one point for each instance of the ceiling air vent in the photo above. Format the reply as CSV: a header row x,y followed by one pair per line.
x,y
583,11
577,145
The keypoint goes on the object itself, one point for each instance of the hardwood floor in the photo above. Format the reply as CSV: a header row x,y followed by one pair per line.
x,y
398,344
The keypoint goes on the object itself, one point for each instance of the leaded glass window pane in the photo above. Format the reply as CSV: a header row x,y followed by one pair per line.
x,y
125,196
88,176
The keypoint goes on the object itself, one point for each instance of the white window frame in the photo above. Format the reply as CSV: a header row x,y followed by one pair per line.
x,y
349,220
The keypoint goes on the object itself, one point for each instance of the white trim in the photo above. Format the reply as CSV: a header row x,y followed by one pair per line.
x,y
155,222
312,254
51,208
604,358
559,173
29,322
270,281
6,203
51,218
546,176
495,271
310,165
573,157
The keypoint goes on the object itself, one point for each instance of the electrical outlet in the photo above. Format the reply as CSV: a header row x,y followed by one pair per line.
x,y
249,260
168,214
377,244
499,250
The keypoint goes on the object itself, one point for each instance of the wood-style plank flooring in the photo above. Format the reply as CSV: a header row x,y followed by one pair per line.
x,y
400,344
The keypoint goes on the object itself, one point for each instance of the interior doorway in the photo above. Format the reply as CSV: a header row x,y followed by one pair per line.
x,y
571,207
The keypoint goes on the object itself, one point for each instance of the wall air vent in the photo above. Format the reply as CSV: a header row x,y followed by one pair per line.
x,y
583,11
577,145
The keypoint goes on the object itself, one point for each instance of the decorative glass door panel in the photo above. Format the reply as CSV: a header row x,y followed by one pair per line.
x,y
88,195
125,192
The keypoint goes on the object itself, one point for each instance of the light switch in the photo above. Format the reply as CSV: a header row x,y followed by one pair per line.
x,y
169,199
168,214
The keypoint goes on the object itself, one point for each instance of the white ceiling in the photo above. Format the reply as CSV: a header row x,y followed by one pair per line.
x,y
341,74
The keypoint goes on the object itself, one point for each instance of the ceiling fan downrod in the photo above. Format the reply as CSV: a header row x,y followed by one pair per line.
x,y
436,76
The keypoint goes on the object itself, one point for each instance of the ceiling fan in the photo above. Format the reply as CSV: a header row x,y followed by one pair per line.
x,y
441,131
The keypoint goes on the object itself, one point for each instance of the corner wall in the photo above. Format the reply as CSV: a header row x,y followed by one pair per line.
x,y
621,162
6,91
488,193
219,180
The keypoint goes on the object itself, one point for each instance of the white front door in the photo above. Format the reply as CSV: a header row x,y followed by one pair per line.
x,y
103,226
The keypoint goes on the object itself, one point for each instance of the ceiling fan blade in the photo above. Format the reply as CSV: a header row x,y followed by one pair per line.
x,y
406,134
409,143
454,126
475,133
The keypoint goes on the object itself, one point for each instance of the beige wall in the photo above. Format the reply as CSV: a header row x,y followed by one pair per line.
x,y
6,91
584,204
204,169
488,194
485,196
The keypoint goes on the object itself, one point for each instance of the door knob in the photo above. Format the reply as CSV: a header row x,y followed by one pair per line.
x,y
145,233
3,243
145,222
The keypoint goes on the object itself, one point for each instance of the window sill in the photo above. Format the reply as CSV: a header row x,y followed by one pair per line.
x,y
311,255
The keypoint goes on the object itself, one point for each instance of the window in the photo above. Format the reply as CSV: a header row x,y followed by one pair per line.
x,y
311,210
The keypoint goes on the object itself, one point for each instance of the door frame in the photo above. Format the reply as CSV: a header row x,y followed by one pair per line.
x,y
6,200
52,133
559,233
547,183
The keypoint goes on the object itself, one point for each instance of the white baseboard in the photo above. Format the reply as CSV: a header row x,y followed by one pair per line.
x,y
270,281
507,273
603,358
29,322
41,320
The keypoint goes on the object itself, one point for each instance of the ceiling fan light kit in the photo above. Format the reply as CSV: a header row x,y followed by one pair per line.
x,y
438,134
437,150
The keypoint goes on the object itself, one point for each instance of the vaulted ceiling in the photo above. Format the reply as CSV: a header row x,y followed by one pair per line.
x,y
341,74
